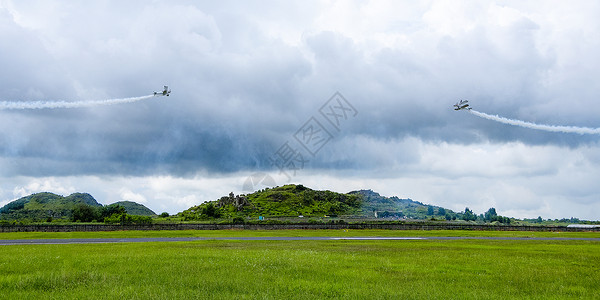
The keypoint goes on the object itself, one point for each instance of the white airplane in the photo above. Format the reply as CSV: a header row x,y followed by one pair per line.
x,y
165,92
463,104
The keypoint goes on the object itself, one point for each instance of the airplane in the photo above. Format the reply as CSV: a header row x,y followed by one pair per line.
x,y
165,92
463,104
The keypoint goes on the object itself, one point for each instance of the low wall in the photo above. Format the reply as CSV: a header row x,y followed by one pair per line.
x,y
104,227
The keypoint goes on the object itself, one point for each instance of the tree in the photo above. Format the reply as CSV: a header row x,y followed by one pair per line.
x,y
441,211
125,219
83,213
164,214
109,210
335,208
468,215
490,215
430,210
210,211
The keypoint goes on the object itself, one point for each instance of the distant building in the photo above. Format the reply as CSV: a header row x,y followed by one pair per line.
x,y
582,226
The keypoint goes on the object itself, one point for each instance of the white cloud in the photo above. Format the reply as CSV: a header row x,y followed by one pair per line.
x,y
38,185
128,195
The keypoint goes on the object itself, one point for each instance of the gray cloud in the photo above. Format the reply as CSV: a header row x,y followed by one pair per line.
x,y
239,92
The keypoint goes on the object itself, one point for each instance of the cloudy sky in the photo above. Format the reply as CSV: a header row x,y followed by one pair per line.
x,y
338,95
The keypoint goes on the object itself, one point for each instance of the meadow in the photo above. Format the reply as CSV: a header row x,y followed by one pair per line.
x,y
291,233
348,269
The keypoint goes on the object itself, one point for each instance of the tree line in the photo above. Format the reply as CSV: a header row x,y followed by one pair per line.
x,y
468,215
110,214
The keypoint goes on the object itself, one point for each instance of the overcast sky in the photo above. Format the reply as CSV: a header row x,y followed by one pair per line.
x,y
348,94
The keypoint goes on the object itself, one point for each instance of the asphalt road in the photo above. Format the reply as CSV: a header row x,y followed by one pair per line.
x,y
190,239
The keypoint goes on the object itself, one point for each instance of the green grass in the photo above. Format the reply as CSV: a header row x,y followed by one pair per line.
x,y
291,233
464,269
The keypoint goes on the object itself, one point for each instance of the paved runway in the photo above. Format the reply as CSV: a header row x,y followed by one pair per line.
x,y
190,239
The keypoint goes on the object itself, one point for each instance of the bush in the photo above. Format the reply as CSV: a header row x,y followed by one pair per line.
x,y
109,210
125,219
238,220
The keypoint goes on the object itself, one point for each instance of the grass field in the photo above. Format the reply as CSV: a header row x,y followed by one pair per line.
x,y
291,233
464,269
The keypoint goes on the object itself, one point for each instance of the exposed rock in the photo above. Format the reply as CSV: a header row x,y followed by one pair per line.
x,y
238,201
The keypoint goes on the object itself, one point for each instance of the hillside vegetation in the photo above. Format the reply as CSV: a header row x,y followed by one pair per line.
x,y
288,203
41,206
46,207
298,200
134,208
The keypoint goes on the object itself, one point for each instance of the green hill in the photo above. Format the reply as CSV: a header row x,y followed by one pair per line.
x,y
40,206
298,200
134,208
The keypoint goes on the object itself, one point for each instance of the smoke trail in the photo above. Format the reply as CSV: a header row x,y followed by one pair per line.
x,y
551,128
5,105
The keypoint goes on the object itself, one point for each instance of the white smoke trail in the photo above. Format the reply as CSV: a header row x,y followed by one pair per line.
x,y
5,105
551,128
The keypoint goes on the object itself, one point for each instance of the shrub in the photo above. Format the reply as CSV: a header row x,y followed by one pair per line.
x,y
126,219
238,220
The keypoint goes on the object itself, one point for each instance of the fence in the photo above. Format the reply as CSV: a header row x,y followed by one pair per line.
x,y
399,226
